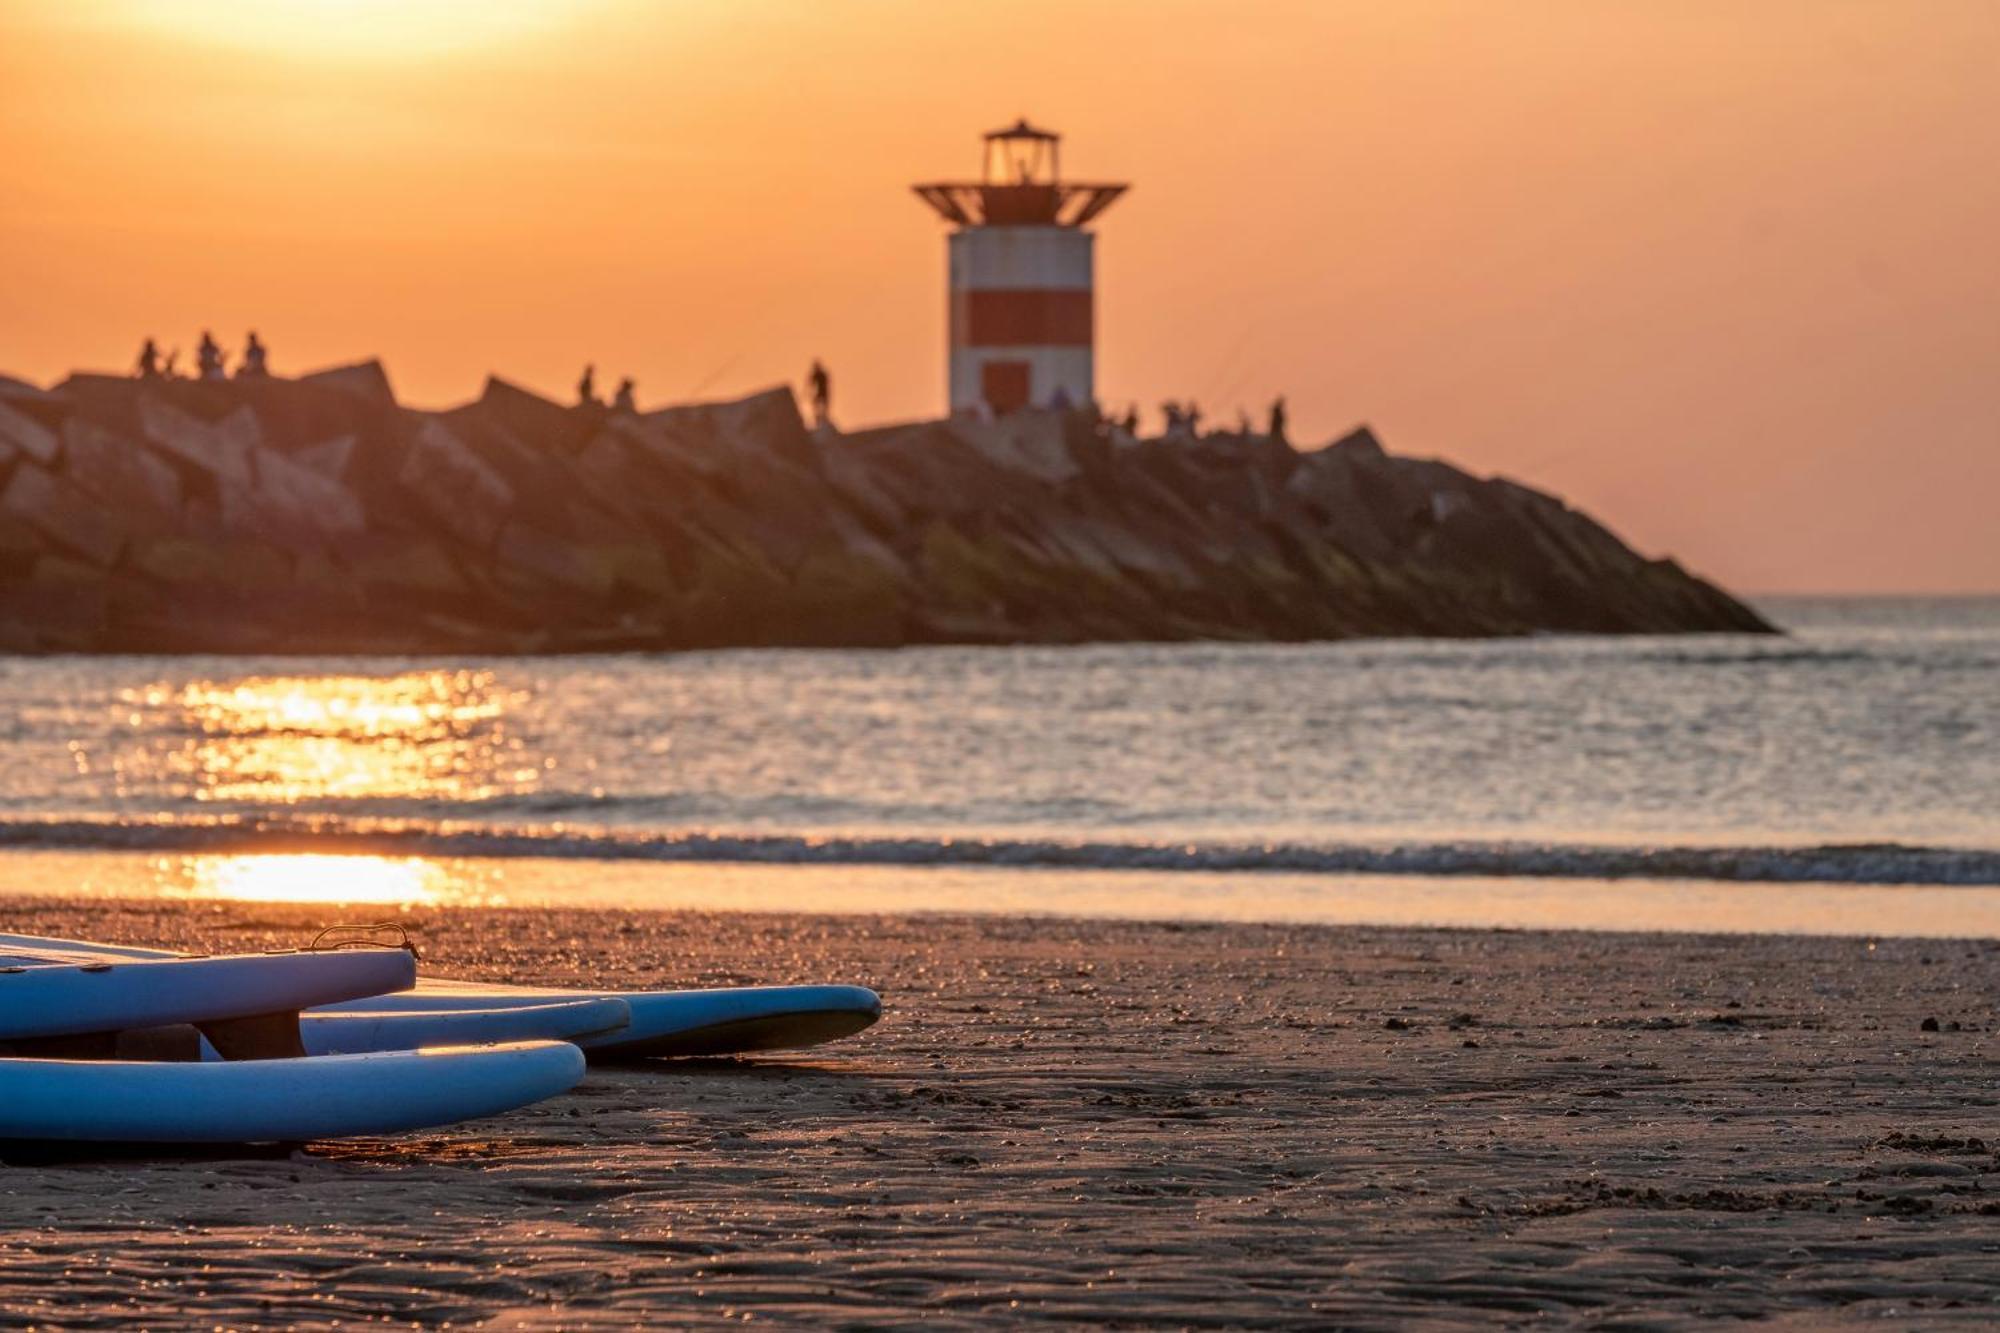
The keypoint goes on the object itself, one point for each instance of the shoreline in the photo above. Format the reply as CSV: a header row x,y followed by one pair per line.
x,y
1088,1121
1800,858
347,882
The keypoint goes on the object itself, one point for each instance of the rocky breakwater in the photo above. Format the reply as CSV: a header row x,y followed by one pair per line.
x,y
319,515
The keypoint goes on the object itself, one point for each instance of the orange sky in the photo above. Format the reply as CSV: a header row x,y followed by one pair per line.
x,y
1727,275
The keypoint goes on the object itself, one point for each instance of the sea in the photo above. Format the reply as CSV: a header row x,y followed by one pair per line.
x,y
1842,778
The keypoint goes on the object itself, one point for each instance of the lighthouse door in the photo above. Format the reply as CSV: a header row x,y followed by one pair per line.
x,y
1004,386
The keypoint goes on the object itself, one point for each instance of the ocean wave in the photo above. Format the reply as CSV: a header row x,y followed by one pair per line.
x,y
1834,863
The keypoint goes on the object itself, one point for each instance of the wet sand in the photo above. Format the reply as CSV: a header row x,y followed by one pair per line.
x,y
1081,1121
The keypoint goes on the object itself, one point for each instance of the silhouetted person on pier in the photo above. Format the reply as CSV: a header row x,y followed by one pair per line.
x,y
149,361
1242,422
623,400
1132,421
1170,413
1278,419
821,385
253,365
1060,400
1194,419
586,388
171,370
208,357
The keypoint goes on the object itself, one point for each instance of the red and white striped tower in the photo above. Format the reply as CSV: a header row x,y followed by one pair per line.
x,y
1021,288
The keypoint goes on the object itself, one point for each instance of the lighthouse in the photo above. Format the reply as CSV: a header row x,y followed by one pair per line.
x,y
1021,281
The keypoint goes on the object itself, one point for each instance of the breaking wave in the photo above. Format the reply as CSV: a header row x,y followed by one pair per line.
x,y
1834,863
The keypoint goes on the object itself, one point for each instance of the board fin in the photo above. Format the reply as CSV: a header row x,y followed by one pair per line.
x,y
176,1043
257,1037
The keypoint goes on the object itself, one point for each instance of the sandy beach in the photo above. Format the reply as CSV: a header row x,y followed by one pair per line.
x,y
1068,1121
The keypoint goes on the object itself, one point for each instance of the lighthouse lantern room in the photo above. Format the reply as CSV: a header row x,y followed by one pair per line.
x,y
1022,309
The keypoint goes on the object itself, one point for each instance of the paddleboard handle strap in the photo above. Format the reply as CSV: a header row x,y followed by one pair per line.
x,y
365,935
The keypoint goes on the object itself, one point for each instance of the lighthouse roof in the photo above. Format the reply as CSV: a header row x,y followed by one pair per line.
x,y
1022,186
1021,129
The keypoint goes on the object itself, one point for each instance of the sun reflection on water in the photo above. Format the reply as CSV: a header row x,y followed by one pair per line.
x,y
312,877
284,740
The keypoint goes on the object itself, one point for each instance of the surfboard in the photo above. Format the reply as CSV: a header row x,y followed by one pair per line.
x,y
54,948
68,996
725,1021
732,1020
293,1100
352,1032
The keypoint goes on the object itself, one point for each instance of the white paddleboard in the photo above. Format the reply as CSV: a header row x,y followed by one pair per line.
x,y
52,948
56,996
351,1032
726,1021
257,1101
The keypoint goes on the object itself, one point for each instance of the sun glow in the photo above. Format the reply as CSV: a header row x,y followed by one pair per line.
x,y
316,878
290,739
351,29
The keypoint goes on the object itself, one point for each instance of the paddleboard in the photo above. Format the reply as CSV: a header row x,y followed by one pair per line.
x,y
56,996
351,1032
256,1101
358,1032
726,1021
52,948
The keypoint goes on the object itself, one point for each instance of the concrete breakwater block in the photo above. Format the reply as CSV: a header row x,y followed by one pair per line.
x,y
68,518
134,483
366,380
467,497
223,451
21,433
